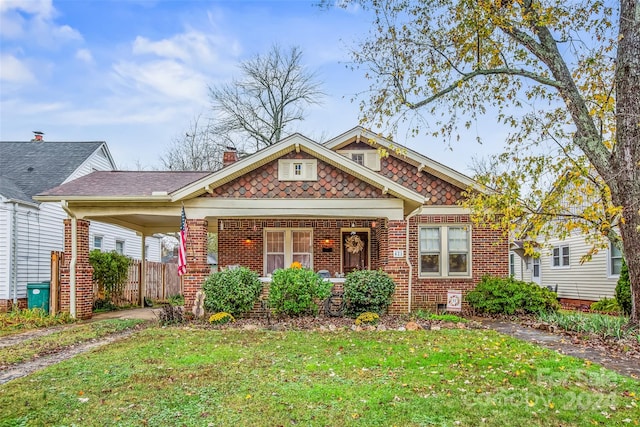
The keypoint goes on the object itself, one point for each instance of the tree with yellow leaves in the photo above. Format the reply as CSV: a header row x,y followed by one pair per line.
x,y
564,75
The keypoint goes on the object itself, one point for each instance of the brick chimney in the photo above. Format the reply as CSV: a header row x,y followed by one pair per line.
x,y
38,136
229,157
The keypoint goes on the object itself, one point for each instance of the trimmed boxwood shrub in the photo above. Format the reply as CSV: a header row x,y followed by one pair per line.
x,y
367,290
231,291
623,289
496,295
297,291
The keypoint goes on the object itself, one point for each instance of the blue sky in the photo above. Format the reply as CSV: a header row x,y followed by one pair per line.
x,y
135,73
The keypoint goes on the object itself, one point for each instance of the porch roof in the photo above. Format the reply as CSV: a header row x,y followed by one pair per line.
x,y
150,202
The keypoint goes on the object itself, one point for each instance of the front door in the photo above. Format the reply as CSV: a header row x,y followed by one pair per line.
x,y
355,251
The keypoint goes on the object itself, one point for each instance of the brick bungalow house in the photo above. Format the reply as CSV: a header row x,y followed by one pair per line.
x,y
335,206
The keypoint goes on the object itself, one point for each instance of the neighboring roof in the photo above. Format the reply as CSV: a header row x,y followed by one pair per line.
x,y
123,184
360,134
11,191
33,167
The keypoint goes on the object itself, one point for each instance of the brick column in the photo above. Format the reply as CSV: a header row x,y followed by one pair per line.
x,y
396,267
84,271
197,268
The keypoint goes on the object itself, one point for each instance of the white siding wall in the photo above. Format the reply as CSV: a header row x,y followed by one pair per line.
x,y
41,230
98,161
132,242
5,230
522,269
588,281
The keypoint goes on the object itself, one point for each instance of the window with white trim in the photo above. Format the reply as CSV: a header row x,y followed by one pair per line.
x,y
512,264
283,246
445,251
560,257
298,170
358,158
120,246
536,268
97,242
615,260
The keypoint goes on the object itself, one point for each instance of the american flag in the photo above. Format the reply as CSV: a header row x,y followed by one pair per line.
x,y
182,249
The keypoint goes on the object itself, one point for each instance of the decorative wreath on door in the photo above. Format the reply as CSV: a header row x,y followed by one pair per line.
x,y
354,244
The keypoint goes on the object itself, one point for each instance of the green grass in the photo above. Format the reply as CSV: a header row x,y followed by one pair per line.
x,y
75,334
181,376
17,320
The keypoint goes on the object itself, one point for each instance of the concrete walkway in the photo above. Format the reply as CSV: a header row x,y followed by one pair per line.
x,y
629,366
134,313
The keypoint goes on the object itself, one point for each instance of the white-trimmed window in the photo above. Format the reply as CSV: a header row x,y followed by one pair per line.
x,y
536,269
283,246
560,256
615,261
97,242
367,158
512,264
445,251
298,170
120,246
358,158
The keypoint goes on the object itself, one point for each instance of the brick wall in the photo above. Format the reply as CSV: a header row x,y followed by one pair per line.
x,y
396,267
240,241
197,268
84,271
489,255
7,304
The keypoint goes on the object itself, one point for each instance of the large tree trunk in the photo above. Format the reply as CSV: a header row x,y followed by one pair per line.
x,y
624,176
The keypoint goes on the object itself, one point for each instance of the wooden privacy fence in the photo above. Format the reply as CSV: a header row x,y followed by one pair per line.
x,y
162,281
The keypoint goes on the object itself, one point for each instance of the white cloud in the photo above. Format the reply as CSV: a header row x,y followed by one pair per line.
x,y
84,55
42,8
34,21
192,47
15,71
162,77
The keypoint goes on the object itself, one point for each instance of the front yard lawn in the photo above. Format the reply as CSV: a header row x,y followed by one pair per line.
x,y
190,377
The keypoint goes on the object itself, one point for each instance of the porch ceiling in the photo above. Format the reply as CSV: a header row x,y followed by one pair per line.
x,y
158,217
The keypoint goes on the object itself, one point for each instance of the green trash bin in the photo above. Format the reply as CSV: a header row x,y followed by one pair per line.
x,y
38,295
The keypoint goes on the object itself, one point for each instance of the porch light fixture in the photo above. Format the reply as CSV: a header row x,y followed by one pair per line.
x,y
247,240
374,224
326,243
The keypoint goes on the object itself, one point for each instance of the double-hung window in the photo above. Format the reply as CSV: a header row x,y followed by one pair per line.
x,y
97,242
615,261
120,246
285,246
445,251
560,256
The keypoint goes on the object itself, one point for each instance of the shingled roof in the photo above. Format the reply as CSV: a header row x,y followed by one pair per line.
x,y
125,184
28,168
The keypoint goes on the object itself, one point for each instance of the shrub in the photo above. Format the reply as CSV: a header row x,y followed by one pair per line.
x,y
171,315
368,318
232,291
495,295
367,290
623,289
110,273
297,291
606,305
448,318
177,299
221,318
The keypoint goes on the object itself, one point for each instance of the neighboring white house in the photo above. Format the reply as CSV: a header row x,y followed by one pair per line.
x,y
559,265
30,230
